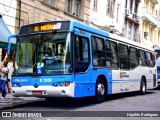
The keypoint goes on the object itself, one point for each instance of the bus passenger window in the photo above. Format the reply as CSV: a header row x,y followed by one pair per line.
x,y
142,57
133,58
98,52
124,57
149,59
111,54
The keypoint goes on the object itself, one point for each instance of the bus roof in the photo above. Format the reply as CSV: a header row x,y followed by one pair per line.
x,y
88,28
110,35
97,31
130,42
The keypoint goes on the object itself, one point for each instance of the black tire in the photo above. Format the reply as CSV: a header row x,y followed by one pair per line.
x,y
143,87
100,91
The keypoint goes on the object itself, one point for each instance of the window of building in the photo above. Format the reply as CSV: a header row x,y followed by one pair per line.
x,y
131,6
81,54
129,30
123,57
126,3
134,59
118,8
136,8
98,52
136,35
125,29
50,2
95,5
110,8
77,8
68,6
151,33
111,55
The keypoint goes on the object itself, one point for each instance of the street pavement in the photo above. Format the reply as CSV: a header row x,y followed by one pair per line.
x,y
11,102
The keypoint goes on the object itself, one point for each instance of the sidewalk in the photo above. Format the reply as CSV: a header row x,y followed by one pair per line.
x,y
11,101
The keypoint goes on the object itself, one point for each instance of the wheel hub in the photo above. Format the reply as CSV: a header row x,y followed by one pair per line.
x,y
100,89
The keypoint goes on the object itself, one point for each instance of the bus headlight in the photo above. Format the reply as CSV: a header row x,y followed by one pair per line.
x,y
55,84
62,83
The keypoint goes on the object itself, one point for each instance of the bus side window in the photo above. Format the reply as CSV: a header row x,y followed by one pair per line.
x,y
142,57
124,56
149,59
133,58
98,52
111,54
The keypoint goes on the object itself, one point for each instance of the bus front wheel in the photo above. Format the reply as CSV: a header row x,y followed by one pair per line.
x,y
143,87
100,90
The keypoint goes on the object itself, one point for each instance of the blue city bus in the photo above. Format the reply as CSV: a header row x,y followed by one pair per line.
x,y
86,61
157,52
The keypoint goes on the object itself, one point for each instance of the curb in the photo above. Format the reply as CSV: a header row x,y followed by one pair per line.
x,y
20,104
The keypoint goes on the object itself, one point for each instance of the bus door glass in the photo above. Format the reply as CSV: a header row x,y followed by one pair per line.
x,y
81,61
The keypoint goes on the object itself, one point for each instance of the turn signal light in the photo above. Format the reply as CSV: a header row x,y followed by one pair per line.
x,y
67,83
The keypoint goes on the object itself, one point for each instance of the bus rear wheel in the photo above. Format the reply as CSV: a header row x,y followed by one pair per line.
x,y
143,87
100,90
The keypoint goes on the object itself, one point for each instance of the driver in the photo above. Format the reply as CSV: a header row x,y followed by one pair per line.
x,y
49,57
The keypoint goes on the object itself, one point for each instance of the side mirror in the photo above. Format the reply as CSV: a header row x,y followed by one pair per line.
x,y
11,40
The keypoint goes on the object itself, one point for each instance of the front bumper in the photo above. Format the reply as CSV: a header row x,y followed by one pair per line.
x,y
46,91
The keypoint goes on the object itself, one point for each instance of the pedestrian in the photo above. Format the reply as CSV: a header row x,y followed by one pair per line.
x,y
10,60
4,77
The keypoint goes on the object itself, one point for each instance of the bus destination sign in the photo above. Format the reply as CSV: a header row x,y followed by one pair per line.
x,y
43,27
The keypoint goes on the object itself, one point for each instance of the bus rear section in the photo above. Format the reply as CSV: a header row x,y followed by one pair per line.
x,y
157,53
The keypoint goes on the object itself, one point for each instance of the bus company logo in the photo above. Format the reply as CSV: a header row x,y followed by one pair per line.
x,y
36,85
6,114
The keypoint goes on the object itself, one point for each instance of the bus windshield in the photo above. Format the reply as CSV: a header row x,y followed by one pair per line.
x,y
43,54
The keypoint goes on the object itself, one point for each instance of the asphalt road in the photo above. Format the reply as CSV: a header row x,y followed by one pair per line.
x,y
118,106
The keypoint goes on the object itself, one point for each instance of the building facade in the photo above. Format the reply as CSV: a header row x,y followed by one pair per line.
x,y
8,13
149,23
107,15
132,20
137,20
32,11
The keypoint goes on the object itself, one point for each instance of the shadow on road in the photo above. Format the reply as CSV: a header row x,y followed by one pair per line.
x,y
158,88
70,104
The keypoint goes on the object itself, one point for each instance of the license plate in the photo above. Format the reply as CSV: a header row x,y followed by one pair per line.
x,y
37,93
